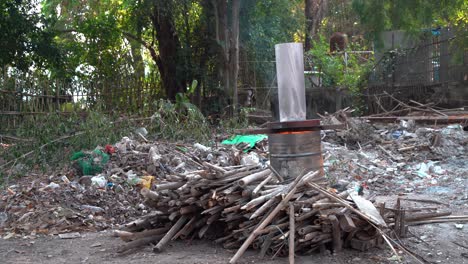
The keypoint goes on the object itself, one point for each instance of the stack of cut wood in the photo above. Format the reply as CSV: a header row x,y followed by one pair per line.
x,y
248,206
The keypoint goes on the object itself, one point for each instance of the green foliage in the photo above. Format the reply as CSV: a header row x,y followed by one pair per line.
x,y
412,16
346,70
68,134
170,123
239,121
25,40
183,99
349,70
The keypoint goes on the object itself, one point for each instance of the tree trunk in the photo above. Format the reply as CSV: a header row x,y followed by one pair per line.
x,y
169,48
314,13
234,52
227,38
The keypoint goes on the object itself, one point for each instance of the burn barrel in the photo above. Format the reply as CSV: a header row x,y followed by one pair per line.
x,y
295,151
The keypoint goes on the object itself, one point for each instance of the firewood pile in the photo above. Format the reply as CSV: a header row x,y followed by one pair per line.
x,y
252,206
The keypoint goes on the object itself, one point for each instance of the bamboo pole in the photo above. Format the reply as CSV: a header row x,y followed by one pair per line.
x,y
174,229
260,185
253,177
292,231
336,232
292,189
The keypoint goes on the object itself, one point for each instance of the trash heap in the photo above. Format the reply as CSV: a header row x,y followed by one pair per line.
x,y
400,157
230,194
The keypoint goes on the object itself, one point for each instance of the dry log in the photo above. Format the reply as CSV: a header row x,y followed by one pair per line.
x,y
139,243
308,229
236,171
253,177
214,167
346,223
203,230
189,209
310,236
263,208
187,229
169,186
291,191
234,177
150,195
262,199
124,235
171,233
260,185
273,228
292,230
307,215
442,219
336,231
424,216
266,244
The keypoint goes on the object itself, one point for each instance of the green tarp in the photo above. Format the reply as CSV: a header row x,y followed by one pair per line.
x,y
250,139
87,161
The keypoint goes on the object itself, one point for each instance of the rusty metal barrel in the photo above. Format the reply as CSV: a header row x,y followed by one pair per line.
x,y
294,152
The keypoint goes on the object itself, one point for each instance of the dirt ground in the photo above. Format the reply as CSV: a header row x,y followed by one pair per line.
x,y
100,248
432,242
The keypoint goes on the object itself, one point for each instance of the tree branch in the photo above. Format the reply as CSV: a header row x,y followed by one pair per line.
x,y
148,46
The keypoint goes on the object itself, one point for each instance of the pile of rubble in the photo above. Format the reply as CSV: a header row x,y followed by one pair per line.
x,y
232,195
400,157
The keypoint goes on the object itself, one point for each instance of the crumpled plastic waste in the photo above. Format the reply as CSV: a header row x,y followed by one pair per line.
x,y
202,147
90,163
99,181
424,169
250,159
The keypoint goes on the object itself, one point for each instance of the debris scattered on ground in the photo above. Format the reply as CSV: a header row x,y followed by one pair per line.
x,y
175,190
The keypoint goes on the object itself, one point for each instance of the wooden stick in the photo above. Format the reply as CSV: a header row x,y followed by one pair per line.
x,y
150,195
273,228
307,229
214,167
187,228
263,208
425,216
139,243
277,175
243,169
260,185
266,244
169,186
124,235
365,217
253,177
262,199
306,215
292,231
443,219
423,201
292,189
336,231
174,229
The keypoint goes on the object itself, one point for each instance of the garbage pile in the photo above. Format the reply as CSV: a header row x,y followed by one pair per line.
x,y
229,193
401,157
101,188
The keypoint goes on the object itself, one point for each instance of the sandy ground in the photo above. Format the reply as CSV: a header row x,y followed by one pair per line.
x,y
433,242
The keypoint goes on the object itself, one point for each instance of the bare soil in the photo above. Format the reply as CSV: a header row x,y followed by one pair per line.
x,y
101,248
432,242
